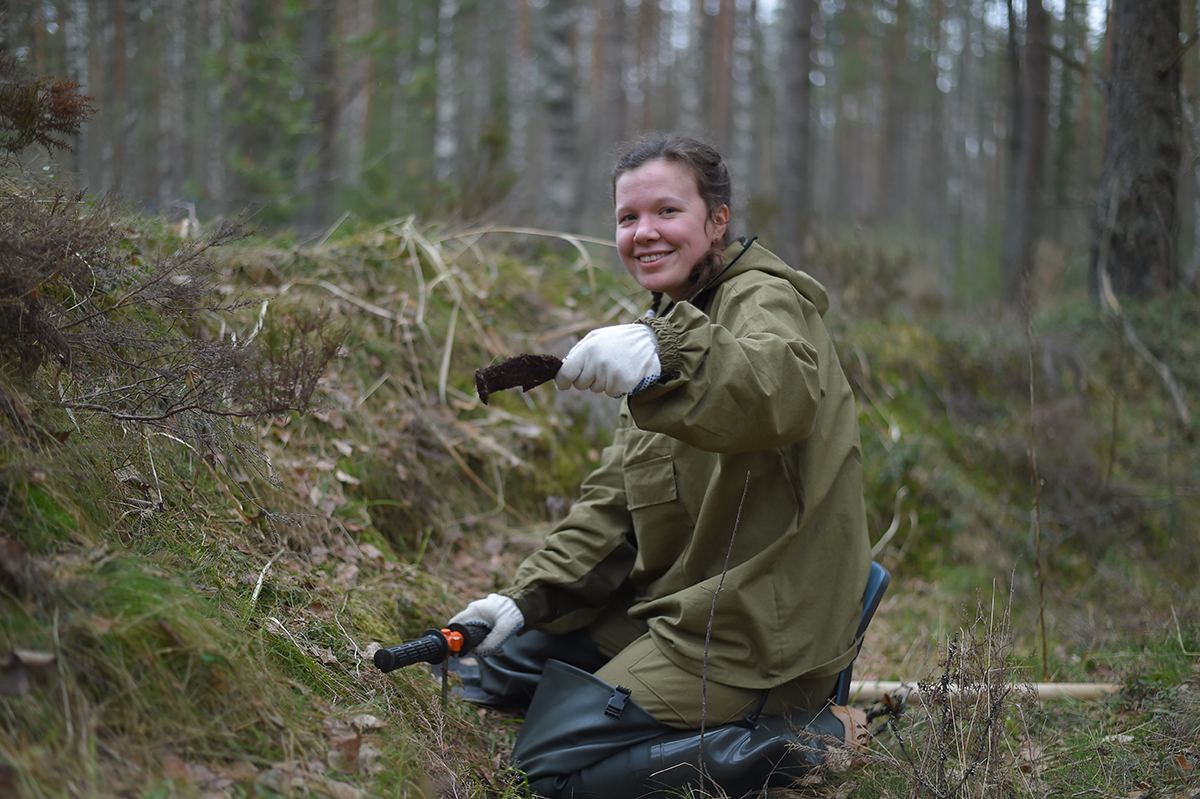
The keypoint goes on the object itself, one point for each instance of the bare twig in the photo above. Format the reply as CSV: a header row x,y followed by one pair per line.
x,y
901,493
708,633
1037,485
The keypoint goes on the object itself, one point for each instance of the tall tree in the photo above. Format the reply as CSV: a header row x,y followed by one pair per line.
x,y
795,183
320,76
1137,216
171,154
1191,271
721,106
1025,202
897,103
445,140
77,29
559,201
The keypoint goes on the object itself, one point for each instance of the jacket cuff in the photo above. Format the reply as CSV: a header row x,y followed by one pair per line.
x,y
533,606
670,358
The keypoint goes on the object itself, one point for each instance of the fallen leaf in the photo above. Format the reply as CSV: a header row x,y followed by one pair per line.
x,y
14,560
365,721
347,574
346,478
342,790
103,626
1030,757
17,667
174,768
343,752
369,757
324,654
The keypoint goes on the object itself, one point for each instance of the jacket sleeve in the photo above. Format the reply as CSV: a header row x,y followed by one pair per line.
x,y
750,378
589,554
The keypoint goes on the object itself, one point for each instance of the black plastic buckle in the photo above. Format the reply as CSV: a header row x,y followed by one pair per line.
x,y
616,702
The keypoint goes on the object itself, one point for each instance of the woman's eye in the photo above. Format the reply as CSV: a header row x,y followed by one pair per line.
x,y
668,210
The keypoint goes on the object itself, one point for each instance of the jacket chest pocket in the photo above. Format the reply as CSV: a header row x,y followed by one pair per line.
x,y
650,482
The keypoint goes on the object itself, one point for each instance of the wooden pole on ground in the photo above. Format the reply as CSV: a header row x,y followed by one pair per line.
x,y
872,690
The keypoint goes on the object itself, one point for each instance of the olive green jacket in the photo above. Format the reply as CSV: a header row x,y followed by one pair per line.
x,y
746,450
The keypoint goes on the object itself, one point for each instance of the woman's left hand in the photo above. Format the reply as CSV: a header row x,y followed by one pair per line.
x,y
615,360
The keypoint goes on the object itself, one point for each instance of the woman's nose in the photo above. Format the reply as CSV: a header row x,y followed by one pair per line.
x,y
646,231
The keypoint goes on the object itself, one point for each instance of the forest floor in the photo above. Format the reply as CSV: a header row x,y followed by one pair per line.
x,y
176,624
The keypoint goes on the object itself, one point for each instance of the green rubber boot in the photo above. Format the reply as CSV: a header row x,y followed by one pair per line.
x,y
583,738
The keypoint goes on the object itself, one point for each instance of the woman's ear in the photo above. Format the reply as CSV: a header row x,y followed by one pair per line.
x,y
720,220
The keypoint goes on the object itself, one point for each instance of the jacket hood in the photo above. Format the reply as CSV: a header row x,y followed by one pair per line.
x,y
747,256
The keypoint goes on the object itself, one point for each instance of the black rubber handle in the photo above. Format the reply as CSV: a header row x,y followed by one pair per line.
x,y
431,647
473,634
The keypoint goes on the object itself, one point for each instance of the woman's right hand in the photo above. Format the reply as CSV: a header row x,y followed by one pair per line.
x,y
496,611
616,361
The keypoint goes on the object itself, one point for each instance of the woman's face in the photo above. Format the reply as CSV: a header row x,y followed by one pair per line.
x,y
663,226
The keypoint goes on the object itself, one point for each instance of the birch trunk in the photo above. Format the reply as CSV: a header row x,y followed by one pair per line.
x,y
559,200
445,135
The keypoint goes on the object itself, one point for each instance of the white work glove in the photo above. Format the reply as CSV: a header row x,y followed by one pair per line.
x,y
615,360
498,612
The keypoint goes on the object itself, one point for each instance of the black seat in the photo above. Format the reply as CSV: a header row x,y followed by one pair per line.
x,y
877,583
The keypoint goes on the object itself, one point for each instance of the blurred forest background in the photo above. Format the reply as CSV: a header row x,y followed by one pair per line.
x,y
989,135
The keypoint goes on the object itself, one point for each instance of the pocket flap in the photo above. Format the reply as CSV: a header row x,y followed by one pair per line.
x,y
650,482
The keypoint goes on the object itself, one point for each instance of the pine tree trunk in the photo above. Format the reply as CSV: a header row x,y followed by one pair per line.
x,y
1191,272
170,107
358,21
897,102
212,155
741,151
76,32
722,84
795,186
321,79
1142,152
1026,202
690,99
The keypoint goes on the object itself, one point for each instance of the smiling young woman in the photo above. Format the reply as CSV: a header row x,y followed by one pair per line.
x,y
664,227
735,463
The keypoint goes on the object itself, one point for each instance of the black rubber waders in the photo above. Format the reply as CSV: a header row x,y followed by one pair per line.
x,y
583,738
512,674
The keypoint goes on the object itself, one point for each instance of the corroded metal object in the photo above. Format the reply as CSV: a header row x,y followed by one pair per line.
x,y
526,371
